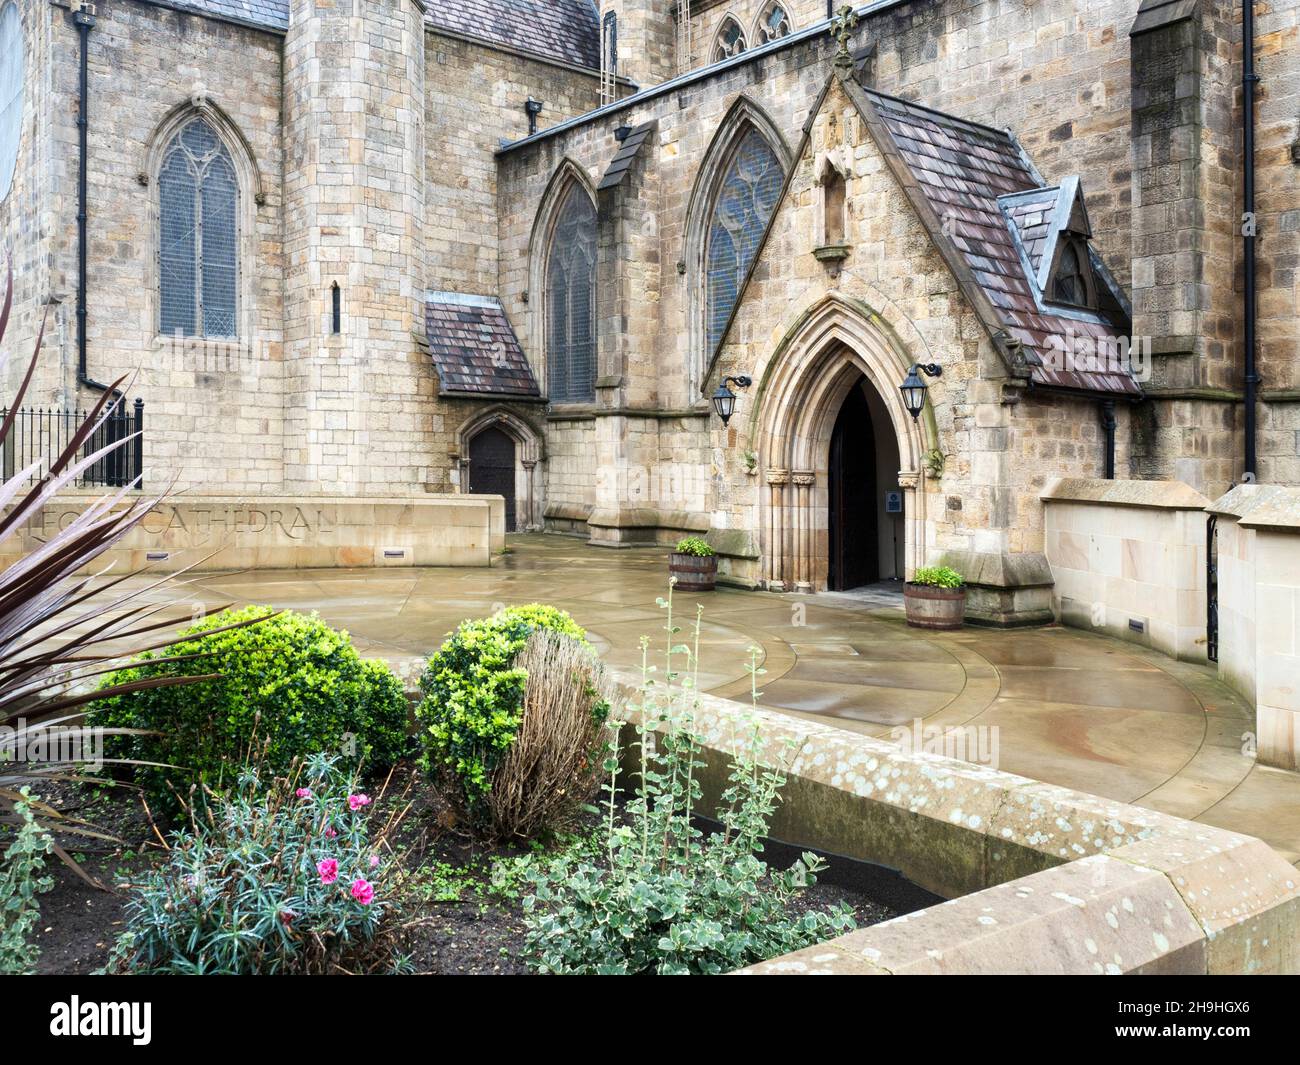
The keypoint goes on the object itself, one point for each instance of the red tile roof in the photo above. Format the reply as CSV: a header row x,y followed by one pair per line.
x,y
473,347
961,169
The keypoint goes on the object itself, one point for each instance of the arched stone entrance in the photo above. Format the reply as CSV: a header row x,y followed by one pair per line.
x,y
864,521
498,453
835,350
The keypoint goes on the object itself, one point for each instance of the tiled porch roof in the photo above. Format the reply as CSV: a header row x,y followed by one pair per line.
x,y
960,169
474,348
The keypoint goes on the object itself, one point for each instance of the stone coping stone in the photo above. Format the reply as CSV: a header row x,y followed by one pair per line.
x,y
1047,879
1096,915
1000,569
1261,506
1159,495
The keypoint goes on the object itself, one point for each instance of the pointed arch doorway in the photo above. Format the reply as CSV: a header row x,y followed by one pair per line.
x,y
832,385
864,521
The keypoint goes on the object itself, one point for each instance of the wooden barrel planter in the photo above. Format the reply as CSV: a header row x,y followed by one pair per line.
x,y
929,607
693,573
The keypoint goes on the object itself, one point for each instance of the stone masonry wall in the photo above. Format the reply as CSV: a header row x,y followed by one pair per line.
x,y
358,404
212,411
474,102
1006,65
1277,181
26,215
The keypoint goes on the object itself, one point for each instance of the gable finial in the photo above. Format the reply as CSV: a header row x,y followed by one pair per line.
x,y
842,30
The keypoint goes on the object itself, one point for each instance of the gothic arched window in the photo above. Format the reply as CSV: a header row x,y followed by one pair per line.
x,y
571,301
730,40
746,198
198,253
1072,281
773,24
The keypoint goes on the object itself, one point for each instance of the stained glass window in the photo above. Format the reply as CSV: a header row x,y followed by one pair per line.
x,y
774,24
571,302
745,203
199,235
731,41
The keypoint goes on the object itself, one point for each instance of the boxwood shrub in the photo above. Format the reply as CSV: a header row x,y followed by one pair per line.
x,y
290,684
473,699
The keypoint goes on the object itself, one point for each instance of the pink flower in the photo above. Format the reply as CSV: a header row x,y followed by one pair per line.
x,y
331,831
303,793
374,861
355,802
363,891
328,869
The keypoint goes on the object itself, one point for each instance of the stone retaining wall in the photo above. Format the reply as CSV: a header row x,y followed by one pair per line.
x,y
1049,880
298,532
1129,559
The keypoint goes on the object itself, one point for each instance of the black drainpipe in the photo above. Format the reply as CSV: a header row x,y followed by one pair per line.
x,y
84,18
1108,426
1248,81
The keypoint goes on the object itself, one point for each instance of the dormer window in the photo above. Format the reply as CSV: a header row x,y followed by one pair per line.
x,y
1072,279
730,42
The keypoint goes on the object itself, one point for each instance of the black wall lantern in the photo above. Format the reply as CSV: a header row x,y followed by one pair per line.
x,y
914,387
724,399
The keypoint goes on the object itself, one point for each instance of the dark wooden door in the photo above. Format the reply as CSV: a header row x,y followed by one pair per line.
x,y
854,537
492,469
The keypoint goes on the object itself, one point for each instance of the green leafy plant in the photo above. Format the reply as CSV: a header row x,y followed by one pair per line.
x,y
695,546
515,755
295,684
276,877
938,577
664,897
21,884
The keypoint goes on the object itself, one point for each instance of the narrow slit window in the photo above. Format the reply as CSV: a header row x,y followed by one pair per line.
x,y
833,199
336,309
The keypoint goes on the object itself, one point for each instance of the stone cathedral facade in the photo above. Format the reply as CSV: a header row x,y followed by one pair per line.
x,y
383,248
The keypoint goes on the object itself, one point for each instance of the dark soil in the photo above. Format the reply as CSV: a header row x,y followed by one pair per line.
x,y
455,920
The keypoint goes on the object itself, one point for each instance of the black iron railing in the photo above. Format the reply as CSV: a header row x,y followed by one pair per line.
x,y
43,434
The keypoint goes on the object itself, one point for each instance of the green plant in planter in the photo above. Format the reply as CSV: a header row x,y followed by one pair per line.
x,y
695,546
938,577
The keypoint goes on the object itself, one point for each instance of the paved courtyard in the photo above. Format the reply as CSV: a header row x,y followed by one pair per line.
x,y
1070,707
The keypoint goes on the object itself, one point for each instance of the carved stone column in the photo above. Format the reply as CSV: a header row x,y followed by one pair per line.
x,y
529,523
913,522
803,482
776,521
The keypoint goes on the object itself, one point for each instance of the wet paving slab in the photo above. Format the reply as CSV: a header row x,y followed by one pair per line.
x,y
1065,706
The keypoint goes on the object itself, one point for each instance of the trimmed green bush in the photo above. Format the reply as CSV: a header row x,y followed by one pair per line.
x,y
291,683
473,700
938,577
695,546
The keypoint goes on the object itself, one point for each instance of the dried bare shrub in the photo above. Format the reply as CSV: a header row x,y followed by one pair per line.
x,y
554,765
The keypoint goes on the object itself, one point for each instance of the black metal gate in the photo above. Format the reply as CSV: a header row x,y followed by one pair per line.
x,y
1212,588
42,435
492,468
